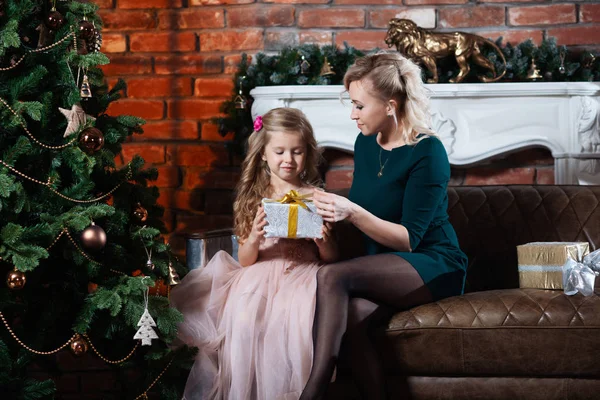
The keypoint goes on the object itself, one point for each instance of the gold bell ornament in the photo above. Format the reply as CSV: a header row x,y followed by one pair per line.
x,y
15,279
78,345
326,69
533,74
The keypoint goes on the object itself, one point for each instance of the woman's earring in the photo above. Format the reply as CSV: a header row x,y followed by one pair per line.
x,y
302,175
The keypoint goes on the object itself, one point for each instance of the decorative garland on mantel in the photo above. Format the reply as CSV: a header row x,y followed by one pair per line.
x,y
305,65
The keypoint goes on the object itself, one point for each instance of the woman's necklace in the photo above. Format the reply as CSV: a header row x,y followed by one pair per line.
x,y
382,166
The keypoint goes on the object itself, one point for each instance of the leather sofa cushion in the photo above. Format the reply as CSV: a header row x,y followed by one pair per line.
x,y
510,332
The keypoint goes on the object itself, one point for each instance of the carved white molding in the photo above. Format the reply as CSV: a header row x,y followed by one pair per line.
x,y
475,121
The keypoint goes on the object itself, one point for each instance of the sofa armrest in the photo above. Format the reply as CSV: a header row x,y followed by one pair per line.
x,y
202,246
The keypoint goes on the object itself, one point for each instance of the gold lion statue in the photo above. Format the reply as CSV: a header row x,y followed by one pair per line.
x,y
425,46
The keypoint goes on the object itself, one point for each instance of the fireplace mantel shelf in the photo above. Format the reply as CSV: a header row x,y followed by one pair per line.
x,y
475,121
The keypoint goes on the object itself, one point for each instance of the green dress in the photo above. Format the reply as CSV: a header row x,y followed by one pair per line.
x,y
412,191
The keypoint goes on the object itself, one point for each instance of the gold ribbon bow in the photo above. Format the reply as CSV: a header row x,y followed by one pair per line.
x,y
294,199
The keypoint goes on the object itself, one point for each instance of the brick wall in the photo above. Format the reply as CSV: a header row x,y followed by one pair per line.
x,y
178,57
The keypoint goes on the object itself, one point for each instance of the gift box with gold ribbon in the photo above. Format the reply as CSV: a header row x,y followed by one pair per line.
x,y
541,264
293,216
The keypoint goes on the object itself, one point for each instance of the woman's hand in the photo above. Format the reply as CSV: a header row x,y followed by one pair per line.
x,y
331,207
258,225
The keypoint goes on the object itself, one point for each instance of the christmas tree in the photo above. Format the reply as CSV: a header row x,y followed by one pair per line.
x,y
80,235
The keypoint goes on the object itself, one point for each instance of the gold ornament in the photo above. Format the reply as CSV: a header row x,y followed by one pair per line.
x,y
140,213
150,265
78,345
93,237
533,74
91,140
240,100
173,276
15,280
561,68
424,46
326,69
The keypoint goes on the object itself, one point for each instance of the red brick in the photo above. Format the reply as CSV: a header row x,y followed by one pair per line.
x,y
113,43
496,176
278,40
218,202
338,179
471,17
168,177
149,3
188,64
162,41
513,1
217,2
169,220
210,132
229,40
542,15
98,381
210,179
514,36
321,38
298,1
260,15
530,157
576,35
338,158
169,130
128,65
232,62
362,40
213,87
544,176
151,153
159,87
424,17
589,12
421,2
331,18
199,155
193,108
191,18
127,20
181,200
371,2
147,109
104,3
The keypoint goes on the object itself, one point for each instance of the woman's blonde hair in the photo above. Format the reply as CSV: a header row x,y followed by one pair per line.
x,y
389,75
254,181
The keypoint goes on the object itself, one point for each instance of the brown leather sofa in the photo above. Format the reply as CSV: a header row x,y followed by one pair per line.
x,y
498,341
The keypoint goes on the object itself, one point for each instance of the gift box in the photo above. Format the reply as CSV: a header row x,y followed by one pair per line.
x,y
541,264
294,216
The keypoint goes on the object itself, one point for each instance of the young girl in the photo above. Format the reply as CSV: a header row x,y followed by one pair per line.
x,y
252,320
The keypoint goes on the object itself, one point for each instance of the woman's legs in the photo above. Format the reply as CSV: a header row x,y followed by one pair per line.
x,y
367,371
385,278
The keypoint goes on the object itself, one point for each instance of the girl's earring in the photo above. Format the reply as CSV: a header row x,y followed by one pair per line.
x,y
302,175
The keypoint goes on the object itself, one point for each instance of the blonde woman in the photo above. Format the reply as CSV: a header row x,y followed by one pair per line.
x,y
398,200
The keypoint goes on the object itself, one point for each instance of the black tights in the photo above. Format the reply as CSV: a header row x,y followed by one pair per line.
x,y
350,289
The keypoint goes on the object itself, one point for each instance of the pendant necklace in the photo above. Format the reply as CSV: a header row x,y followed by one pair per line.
x,y
382,166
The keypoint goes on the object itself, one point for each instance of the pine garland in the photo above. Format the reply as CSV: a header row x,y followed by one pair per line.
x,y
284,69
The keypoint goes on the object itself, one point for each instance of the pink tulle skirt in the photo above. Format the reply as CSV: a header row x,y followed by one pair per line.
x,y
253,325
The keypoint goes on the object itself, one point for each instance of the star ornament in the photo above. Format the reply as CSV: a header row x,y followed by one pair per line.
x,y
76,118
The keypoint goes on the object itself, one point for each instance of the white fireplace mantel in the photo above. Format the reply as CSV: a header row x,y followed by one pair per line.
x,y
475,121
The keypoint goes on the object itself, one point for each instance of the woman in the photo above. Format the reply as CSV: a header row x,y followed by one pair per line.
x,y
399,201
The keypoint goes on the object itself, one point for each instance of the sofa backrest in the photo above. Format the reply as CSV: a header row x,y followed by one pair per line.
x,y
491,221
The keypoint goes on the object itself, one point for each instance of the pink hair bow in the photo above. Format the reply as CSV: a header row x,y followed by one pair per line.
x,y
258,124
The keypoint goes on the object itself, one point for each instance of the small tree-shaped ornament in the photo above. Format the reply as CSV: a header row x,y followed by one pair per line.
x,y
146,333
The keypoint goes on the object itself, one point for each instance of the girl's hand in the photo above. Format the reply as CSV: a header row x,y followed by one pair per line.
x,y
331,207
260,221
326,233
